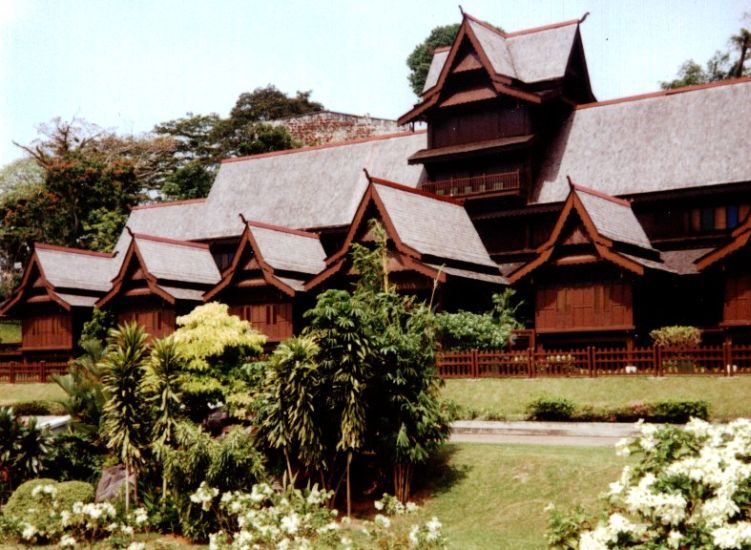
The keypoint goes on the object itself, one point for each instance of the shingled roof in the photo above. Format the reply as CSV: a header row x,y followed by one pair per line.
x,y
285,258
676,139
429,234
739,239
71,277
172,269
609,225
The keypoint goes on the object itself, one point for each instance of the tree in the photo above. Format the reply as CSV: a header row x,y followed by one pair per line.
x,y
420,58
723,65
191,181
20,175
126,420
269,103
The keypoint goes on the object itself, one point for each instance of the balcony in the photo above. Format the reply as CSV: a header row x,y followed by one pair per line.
x,y
503,183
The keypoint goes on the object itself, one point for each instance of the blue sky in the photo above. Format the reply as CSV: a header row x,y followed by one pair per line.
x,y
127,65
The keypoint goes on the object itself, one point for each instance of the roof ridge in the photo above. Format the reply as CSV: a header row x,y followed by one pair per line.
x,y
413,190
441,49
600,194
71,250
167,240
485,24
167,203
282,229
324,146
663,93
542,28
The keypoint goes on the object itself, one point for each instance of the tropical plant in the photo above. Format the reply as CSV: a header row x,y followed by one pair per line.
x,y
686,488
161,386
676,336
23,449
215,346
126,420
83,387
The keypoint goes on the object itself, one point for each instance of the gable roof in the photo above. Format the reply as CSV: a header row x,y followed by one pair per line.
x,y
285,257
172,269
739,238
71,277
676,139
610,226
427,230
313,187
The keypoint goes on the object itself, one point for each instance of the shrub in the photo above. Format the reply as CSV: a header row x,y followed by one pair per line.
x,y
688,488
551,408
676,336
679,412
23,449
22,504
37,408
76,455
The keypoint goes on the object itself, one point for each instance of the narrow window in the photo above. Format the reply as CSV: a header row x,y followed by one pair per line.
x,y
707,219
731,215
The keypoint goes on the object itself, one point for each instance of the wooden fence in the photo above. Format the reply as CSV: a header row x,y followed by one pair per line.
x,y
12,372
725,360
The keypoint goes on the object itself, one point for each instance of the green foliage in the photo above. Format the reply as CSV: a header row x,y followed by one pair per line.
x,y
191,181
98,327
34,408
161,385
564,528
678,411
23,504
731,63
360,380
420,58
269,103
215,346
551,408
230,464
82,385
75,456
23,449
126,427
676,336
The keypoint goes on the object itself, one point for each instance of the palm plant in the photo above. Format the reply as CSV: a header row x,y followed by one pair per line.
x,y
161,383
126,422
83,388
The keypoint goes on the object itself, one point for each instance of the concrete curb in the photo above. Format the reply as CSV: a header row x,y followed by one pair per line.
x,y
564,429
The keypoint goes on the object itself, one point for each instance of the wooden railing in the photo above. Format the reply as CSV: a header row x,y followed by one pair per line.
x,y
12,372
725,360
505,182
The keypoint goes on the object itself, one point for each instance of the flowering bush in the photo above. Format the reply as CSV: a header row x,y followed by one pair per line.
x,y
294,520
48,520
691,488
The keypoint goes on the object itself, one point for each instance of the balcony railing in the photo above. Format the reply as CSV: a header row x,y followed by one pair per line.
x,y
504,182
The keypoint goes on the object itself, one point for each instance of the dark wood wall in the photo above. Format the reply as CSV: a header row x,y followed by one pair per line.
x,y
274,319
47,327
156,315
590,306
737,303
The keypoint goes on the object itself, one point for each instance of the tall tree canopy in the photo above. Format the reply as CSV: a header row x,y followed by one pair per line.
x,y
420,58
203,140
733,62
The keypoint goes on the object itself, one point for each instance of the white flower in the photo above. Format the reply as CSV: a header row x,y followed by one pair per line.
x,y
674,539
382,521
67,541
126,530
141,516
433,524
378,505
28,531
290,523
622,447
64,518
411,507
136,546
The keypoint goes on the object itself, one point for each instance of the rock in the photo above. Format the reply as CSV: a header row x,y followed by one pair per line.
x,y
215,422
112,484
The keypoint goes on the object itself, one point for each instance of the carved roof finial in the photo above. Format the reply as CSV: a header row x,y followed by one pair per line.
x,y
583,18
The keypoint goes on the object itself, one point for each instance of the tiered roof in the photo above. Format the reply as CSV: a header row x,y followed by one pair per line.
x,y
284,258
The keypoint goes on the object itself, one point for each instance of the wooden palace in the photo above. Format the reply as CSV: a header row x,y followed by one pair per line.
x,y
610,218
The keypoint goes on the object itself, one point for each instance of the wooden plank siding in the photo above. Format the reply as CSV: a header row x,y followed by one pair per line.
x,y
47,331
156,316
272,319
737,303
584,306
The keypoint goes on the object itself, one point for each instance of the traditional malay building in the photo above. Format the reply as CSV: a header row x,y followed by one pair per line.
x,y
610,218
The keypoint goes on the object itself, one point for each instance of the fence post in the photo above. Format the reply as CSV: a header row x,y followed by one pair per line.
x,y
591,361
12,372
727,358
530,363
475,366
658,360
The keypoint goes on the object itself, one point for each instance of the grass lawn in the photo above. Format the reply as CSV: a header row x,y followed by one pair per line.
x,y
493,496
508,398
10,333
12,393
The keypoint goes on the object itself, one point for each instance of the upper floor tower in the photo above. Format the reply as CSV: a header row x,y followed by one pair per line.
x,y
492,101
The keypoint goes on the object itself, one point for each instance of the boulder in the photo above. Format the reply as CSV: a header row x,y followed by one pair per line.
x,y
112,484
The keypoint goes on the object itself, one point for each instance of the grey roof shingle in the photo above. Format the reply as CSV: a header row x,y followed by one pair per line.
x,y
691,138
288,251
433,227
80,270
613,219
180,220
307,188
175,261
528,56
